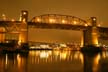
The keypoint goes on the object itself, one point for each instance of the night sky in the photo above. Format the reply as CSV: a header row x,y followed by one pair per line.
x,y
80,8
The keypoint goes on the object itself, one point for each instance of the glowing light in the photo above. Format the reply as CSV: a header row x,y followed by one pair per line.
x,y
95,41
99,25
19,60
94,36
24,13
94,19
20,41
44,54
12,20
56,53
82,42
4,16
7,41
45,46
63,56
51,20
24,20
63,45
97,59
63,21
6,59
76,56
75,22
38,19
86,25
96,62
103,55
82,58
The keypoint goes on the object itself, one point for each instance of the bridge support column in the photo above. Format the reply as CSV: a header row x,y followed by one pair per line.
x,y
2,34
82,40
23,36
91,34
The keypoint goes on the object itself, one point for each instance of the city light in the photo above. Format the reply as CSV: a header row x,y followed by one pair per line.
x,y
94,18
44,54
98,25
52,20
86,25
12,20
24,13
4,17
75,22
63,21
38,19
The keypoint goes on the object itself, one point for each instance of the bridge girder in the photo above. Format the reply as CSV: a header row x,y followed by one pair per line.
x,y
10,26
59,19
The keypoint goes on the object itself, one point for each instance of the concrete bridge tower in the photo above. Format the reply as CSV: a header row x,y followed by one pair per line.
x,y
91,34
23,36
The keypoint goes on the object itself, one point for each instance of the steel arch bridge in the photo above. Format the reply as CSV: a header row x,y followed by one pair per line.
x,y
51,21
48,21
59,19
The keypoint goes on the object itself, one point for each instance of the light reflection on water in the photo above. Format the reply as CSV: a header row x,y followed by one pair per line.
x,y
38,57
53,61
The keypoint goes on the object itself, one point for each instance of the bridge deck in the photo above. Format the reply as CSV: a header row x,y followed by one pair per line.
x,y
51,26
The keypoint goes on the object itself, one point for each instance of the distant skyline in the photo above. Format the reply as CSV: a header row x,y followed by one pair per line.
x,y
79,8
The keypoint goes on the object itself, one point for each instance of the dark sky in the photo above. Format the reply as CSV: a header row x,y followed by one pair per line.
x,y
80,8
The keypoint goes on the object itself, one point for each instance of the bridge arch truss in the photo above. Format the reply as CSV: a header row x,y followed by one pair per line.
x,y
59,19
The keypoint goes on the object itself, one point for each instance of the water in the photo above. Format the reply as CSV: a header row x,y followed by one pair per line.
x,y
54,61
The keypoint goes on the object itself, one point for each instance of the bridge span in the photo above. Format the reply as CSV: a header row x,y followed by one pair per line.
x,y
18,30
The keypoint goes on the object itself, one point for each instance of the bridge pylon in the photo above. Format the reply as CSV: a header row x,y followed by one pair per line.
x,y
91,33
23,36
2,34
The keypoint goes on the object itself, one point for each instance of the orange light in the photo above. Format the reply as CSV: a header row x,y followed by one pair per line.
x,y
86,25
99,25
12,20
38,19
51,20
63,21
75,22
24,13
94,19
4,16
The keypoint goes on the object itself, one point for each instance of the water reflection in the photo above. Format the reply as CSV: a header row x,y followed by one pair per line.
x,y
37,57
96,63
103,62
54,61
90,63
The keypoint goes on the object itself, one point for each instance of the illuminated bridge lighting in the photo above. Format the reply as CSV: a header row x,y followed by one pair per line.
x,y
58,19
51,20
4,17
12,20
86,24
98,25
38,19
63,21
75,22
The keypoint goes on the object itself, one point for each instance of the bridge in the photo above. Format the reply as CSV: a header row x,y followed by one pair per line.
x,y
18,30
